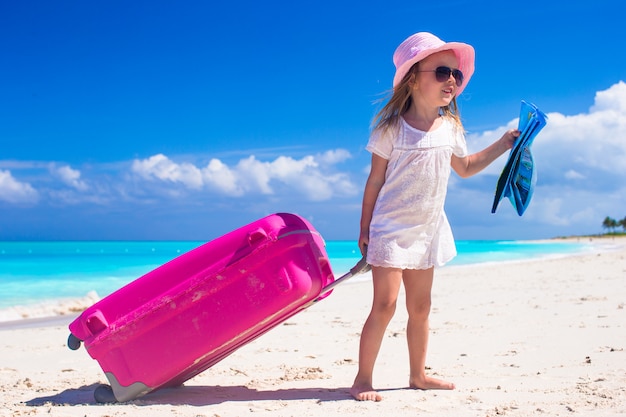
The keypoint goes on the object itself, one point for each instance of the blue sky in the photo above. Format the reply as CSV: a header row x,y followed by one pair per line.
x,y
185,120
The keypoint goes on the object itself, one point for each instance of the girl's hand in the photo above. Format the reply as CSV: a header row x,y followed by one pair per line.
x,y
364,240
509,138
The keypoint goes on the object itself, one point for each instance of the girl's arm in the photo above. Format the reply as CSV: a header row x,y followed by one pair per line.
x,y
472,164
373,185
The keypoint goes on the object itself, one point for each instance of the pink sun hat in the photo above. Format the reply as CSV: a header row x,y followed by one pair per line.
x,y
420,45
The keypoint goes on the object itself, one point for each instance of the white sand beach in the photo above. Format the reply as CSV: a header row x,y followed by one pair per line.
x,y
534,338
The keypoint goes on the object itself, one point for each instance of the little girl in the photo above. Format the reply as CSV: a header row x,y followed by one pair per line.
x,y
416,138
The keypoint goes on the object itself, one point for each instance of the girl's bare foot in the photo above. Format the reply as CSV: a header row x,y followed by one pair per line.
x,y
364,393
427,383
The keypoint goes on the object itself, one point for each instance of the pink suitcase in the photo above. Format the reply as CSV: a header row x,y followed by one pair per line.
x,y
183,317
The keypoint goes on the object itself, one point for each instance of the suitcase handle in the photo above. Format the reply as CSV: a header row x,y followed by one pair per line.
x,y
257,236
254,239
96,322
361,267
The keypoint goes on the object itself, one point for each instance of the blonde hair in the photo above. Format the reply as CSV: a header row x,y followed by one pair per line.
x,y
400,101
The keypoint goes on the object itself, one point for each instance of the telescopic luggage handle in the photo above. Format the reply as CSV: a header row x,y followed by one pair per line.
x,y
361,267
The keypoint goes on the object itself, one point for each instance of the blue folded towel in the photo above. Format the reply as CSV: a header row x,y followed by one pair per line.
x,y
518,178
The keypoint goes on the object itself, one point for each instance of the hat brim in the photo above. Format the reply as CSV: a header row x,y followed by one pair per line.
x,y
464,54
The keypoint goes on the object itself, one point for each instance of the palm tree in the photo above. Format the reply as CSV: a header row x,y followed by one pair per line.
x,y
609,224
623,223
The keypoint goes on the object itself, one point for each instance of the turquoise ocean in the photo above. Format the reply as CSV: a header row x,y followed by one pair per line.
x,y
36,272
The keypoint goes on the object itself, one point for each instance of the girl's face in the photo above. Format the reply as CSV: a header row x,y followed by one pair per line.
x,y
426,89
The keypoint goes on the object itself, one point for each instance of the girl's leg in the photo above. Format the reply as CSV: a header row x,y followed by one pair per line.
x,y
387,283
418,285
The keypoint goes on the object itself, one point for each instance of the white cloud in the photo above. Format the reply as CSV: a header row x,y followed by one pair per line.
x,y
613,99
311,176
574,175
219,176
162,168
14,191
253,174
334,156
69,176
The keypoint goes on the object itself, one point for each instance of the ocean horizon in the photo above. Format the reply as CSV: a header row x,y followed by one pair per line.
x,y
35,272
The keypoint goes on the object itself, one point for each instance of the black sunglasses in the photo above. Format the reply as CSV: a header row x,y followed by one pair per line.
x,y
442,74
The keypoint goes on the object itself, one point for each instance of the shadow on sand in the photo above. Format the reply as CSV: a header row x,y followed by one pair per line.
x,y
197,395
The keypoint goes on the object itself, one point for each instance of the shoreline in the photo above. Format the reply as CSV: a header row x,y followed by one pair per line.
x,y
57,308
36,322
54,308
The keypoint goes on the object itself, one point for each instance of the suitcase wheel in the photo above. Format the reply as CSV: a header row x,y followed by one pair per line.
x,y
104,394
73,342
